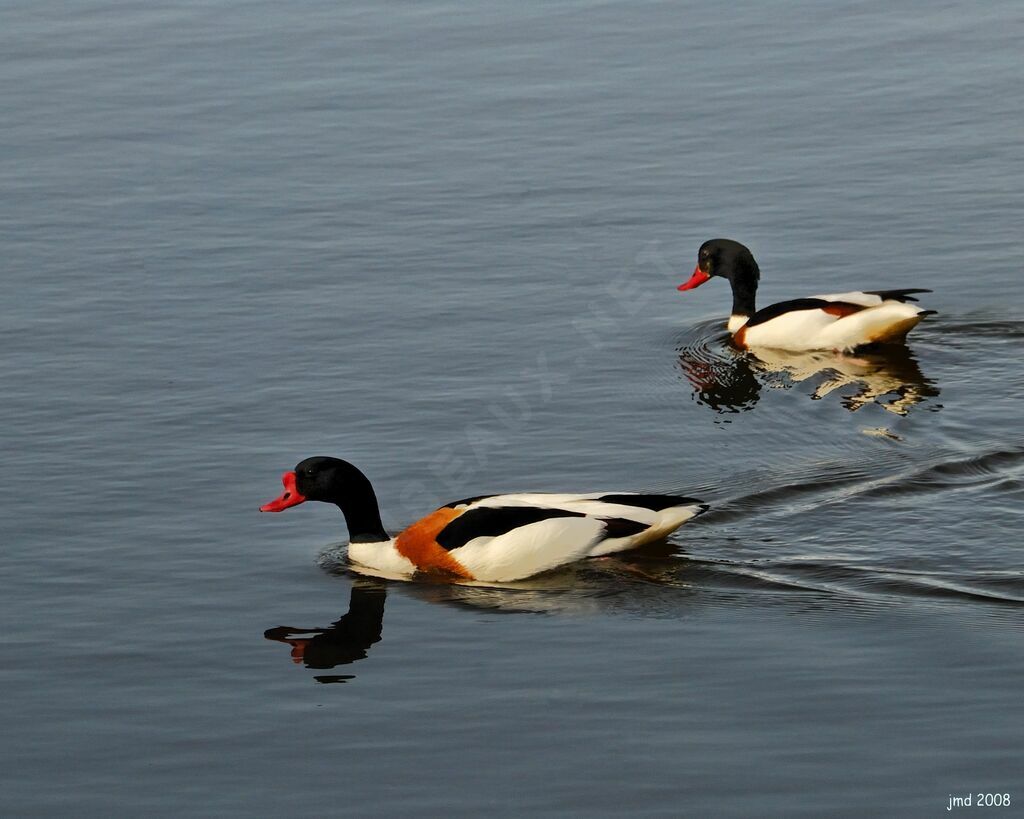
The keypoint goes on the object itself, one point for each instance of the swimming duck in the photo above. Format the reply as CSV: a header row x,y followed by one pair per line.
x,y
489,537
838,321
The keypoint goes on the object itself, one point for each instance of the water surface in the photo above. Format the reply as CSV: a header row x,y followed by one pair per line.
x,y
442,242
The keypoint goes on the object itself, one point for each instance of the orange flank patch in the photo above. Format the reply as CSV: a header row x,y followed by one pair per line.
x,y
418,543
842,308
739,338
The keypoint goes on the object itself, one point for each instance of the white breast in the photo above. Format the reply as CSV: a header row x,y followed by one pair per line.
x,y
382,556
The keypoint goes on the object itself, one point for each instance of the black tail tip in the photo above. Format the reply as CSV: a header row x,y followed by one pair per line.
x,y
929,313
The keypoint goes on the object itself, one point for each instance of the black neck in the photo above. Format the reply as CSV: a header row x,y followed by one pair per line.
x,y
362,514
744,291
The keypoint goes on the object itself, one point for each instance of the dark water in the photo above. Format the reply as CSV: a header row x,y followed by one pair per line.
x,y
442,241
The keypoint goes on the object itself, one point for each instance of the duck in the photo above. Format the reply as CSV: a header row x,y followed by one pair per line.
x,y
487,538
838,321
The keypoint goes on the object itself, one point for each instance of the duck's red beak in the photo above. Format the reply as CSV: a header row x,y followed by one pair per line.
x,y
696,280
290,496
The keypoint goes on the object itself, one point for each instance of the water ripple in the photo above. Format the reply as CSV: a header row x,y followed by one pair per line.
x,y
996,471
727,380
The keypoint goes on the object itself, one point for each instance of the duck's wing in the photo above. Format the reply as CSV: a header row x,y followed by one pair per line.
x,y
590,503
840,321
873,298
461,539
508,537
529,548
797,324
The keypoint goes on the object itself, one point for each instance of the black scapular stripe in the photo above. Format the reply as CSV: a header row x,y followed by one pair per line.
x,y
898,295
776,310
653,502
494,521
465,501
622,527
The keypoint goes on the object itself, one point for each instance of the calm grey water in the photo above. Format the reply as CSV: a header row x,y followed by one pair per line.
x,y
442,240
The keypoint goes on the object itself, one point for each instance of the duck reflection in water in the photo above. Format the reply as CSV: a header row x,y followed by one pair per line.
x,y
729,380
346,640
642,581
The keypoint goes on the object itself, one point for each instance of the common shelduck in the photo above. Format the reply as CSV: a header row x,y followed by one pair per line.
x,y
488,538
837,321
